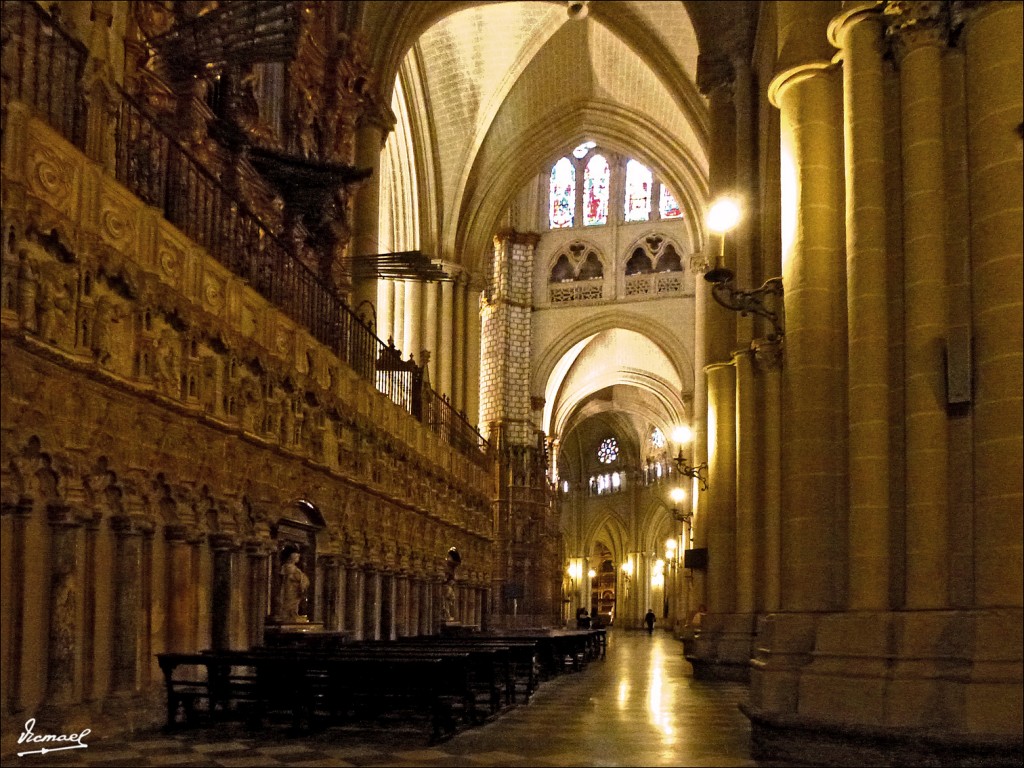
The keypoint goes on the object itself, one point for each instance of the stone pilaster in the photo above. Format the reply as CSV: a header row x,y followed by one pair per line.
x,y
443,384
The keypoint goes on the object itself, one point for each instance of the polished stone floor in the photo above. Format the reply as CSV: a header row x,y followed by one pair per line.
x,y
638,706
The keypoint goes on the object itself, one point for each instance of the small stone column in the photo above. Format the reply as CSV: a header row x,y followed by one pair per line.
x,y
258,554
180,599
355,601
223,547
329,600
372,604
402,611
370,135
385,309
748,471
65,594
127,604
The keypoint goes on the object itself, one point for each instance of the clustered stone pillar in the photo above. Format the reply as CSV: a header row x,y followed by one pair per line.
x,y
370,137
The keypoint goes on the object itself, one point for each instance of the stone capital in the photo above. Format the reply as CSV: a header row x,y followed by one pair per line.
x,y
715,72
515,237
913,24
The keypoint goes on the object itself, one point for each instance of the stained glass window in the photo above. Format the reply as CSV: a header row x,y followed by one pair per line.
x,y
657,438
639,187
608,451
595,191
668,206
563,194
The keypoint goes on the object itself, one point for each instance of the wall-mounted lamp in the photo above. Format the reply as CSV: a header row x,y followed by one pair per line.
x,y
723,215
681,435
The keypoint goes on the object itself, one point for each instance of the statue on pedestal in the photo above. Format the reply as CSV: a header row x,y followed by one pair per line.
x,y
292,590
452,562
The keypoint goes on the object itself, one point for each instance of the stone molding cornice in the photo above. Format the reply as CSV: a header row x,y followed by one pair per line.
x,y
515,237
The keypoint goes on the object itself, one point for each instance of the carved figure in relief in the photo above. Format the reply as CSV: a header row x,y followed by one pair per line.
x,y
166,373
106,315
28,288
53,302
305,125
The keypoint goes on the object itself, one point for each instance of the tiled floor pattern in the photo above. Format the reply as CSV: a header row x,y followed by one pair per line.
x,y
639,706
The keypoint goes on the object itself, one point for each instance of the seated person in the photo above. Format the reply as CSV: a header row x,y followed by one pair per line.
x,y
582,619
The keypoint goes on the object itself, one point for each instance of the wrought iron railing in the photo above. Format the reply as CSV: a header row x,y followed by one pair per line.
x,y
155,167
42,67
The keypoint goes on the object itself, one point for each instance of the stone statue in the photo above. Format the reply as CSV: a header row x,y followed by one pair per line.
x,y
452,562
294,584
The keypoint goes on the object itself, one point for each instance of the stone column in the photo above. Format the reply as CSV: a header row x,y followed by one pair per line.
x,y
446,330
768,359
370,136
372,596
413,340
993,54
458,342
355,601
473,353
920,42
223,546
398,315
426,606
329,601
385,309
389,595
430,338
748,482
414,606
807,93
721,507
258,554
180,609
858,35
64,598
402,606
127,568
716,80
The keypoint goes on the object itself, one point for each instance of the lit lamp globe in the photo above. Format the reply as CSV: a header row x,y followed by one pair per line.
x,y
682,435
678,495
723,215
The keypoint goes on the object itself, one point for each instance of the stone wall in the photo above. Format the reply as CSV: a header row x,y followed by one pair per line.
x,y
160,422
